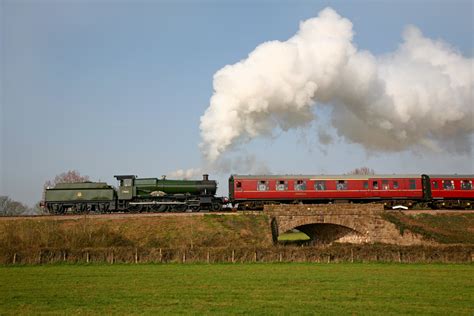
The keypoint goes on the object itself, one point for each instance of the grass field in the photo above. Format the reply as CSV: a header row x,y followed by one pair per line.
x,y
293,236
238,289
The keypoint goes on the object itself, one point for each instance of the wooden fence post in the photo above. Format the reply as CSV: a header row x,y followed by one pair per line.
x,y
14,258
136,255
352,255
255,256
184,256
161,256
208,257
233,256
87,256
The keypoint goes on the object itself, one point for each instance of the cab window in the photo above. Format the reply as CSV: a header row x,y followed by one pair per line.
x,y
127,182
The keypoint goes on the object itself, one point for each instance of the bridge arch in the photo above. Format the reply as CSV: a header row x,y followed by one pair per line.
x,y
324,233
323,228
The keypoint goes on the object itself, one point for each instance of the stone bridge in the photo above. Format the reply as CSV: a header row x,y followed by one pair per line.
x,y
325,223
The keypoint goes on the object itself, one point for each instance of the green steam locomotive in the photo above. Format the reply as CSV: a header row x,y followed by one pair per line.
x,y
134,195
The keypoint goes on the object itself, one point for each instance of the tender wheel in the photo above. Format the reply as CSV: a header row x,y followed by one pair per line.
x,y
216,207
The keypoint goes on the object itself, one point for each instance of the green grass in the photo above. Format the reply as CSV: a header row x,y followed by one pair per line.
x,y
444,228
293,236
238,289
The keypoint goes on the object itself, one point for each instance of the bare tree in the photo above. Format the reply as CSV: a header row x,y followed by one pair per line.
x,y
71,176
9,207
362,171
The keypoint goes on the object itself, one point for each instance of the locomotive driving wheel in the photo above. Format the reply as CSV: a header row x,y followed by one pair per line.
x,y
163,208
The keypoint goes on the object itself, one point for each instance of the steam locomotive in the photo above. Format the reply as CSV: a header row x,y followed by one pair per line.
x,y
134,195
252,192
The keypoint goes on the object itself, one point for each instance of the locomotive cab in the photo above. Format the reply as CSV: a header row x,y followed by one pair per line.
x,y
126,189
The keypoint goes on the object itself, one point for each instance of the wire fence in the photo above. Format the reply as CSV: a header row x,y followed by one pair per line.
x,y
316,254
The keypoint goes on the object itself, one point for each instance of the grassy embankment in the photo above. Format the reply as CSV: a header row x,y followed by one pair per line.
x,y
238,289
444,228
141,232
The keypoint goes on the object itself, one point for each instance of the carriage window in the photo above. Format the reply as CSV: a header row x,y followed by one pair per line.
x,y
262,185
466,184
320,185
239,185
412,184
341,185
448,184
385,185
435,185
375,185
395,185
282,185
366,185
300,185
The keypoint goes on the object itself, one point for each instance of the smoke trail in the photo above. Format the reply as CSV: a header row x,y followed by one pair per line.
x,y
186,174
419,95
243,163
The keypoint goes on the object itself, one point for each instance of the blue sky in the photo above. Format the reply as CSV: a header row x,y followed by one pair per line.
x,y
118,87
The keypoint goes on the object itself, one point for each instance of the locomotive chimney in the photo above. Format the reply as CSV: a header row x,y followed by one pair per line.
x,y
205,177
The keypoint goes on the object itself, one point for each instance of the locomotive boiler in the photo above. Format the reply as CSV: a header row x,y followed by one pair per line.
x,y
162,195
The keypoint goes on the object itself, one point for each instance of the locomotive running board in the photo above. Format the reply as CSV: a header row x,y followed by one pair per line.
x,y
155,202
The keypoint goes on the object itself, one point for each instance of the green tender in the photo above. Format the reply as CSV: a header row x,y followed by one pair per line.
x,y
79,194
82,185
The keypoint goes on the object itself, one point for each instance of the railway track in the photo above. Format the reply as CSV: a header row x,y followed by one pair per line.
x,y
186,214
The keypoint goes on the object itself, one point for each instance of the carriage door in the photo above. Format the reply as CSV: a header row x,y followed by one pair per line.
x,y
375,185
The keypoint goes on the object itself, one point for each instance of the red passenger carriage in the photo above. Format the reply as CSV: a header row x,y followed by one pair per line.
x,y
253,191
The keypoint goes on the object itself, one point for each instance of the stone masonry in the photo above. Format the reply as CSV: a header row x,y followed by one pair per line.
x,y
325,223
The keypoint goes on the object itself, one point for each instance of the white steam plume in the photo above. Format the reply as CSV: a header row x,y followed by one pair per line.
x,y
243,163
186,174
420,95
